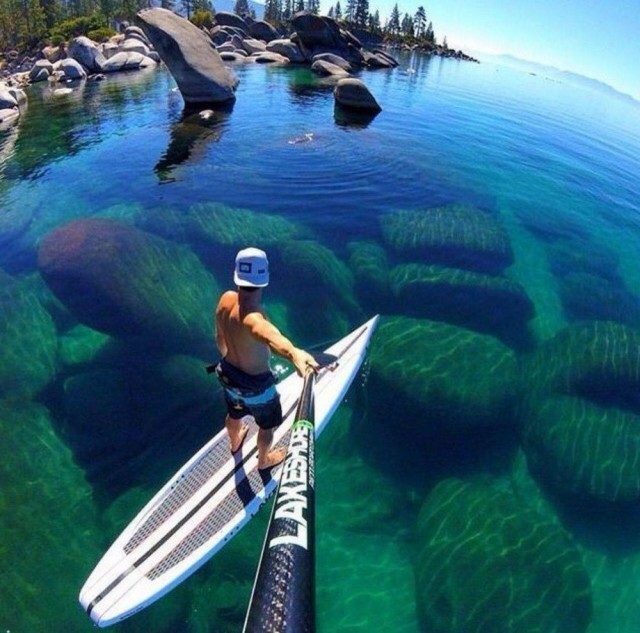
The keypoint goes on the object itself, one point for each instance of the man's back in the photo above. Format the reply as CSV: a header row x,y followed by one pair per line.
x,y
243,349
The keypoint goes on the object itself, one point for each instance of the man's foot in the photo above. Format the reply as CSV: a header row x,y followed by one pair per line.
x,y
236,441
273,459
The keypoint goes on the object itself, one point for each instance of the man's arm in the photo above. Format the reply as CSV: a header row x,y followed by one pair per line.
x,y
220,339
279,344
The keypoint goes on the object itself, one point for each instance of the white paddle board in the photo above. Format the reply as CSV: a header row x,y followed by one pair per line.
x,y
208,500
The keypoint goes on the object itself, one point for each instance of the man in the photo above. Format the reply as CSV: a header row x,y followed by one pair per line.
x,y
246,339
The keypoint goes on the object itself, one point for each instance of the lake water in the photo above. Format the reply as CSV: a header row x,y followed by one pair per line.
x,y
483,473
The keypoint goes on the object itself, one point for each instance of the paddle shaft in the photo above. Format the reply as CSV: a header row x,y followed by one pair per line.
x,y
283,597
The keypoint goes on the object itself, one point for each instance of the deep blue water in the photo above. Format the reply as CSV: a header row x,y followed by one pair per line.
x,y
94,418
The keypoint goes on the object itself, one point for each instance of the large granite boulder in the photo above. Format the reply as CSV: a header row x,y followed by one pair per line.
x,y
226,18
126,61
486,562
261,30
353,94
327,69
287,49
41,71
489,304
190,56
439,379
582,449
333,59
456,235
72,69
253,46
87,53
127,283
319,34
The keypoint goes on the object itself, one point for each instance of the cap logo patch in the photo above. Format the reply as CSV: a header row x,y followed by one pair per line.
x,y
245,267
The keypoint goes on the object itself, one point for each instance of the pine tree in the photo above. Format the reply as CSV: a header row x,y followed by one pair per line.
x,y
444,42
313,6
338,11
420,21
361,13
429,35
350,11
241,8
330,12
407,25
393,26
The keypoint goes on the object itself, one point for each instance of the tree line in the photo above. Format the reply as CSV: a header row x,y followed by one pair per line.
x,y
26,24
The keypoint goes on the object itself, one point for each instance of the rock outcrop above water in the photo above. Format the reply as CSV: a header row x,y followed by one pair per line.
x,y
487,562
190,56
127,283
353,94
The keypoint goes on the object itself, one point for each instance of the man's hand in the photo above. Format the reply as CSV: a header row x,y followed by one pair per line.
x,y
303,362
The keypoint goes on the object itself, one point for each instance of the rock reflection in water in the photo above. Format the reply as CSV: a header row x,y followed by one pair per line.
x,y
189,138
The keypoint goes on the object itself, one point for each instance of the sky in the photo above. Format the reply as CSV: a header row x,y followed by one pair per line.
x,y
599,39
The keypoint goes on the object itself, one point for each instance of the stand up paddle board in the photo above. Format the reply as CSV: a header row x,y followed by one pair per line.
x,y
208,500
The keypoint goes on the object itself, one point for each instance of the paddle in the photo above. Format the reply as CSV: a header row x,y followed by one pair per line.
x,y
283,596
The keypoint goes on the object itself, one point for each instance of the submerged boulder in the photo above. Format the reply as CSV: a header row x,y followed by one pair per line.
x,y
582,449
48,522
487,562
370,266
485,303
599,361
28,342
190,56
441,379
127,283
457,236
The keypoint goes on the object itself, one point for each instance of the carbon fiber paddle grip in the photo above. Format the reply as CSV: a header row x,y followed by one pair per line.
x,y
283,598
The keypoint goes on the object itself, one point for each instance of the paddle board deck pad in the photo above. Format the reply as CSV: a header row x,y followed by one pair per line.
x,y
208,500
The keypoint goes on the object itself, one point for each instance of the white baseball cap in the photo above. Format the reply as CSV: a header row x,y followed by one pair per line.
x,y
252,268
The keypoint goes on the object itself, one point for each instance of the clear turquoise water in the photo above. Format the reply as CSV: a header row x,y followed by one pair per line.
x,y
92,425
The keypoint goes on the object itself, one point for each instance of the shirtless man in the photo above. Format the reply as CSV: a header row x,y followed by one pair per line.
x,y
246,339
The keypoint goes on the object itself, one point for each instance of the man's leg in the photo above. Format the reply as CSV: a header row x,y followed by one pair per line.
x,y
267,458
237,432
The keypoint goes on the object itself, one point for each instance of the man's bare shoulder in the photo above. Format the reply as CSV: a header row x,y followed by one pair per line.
x,y
227,300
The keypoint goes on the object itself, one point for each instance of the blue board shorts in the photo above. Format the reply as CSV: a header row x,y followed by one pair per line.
x,y
248,394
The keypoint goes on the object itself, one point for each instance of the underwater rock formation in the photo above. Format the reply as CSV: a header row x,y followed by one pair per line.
x,y
487,563
585,450
587,297
138,408
438,378
127,283
211,224
493,305
599,361
28,343
47,522
370,267
456,235
313,265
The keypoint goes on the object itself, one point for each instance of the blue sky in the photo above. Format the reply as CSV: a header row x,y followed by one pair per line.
x,y
596,38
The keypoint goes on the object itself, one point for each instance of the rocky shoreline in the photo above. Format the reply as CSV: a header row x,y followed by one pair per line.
x,y
194,56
